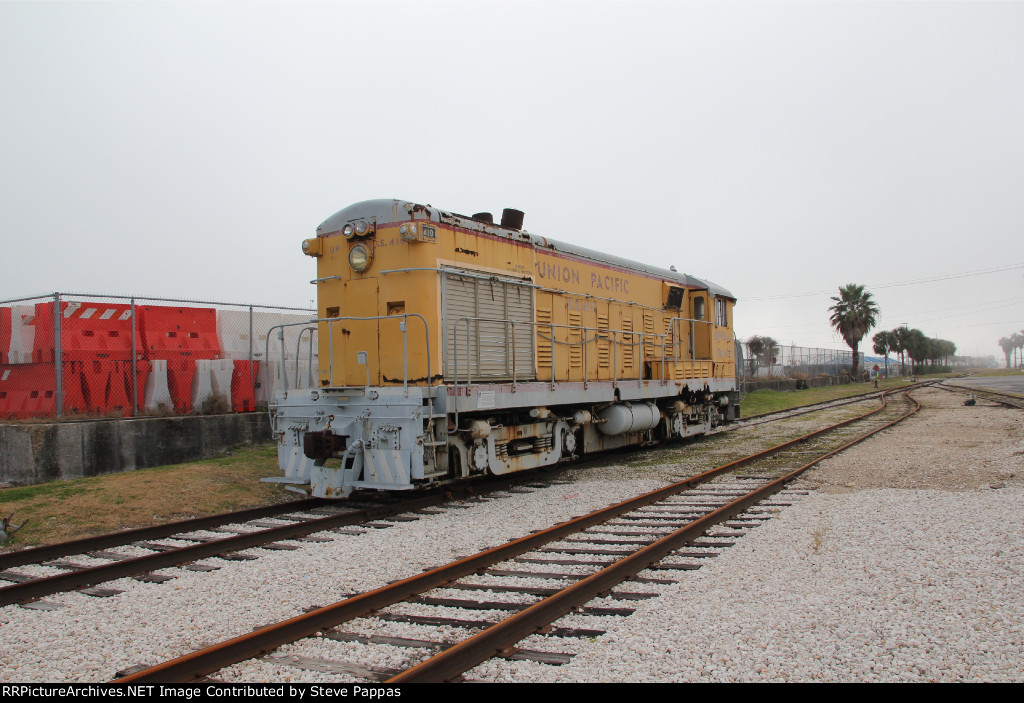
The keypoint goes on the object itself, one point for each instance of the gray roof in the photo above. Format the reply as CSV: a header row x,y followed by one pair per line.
x,y
392,210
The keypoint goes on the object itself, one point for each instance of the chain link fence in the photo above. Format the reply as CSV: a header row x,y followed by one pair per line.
x,y
73,355
793,362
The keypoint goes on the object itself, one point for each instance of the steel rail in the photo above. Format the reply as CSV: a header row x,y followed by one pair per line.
x,y
1007,399
826,404
490,642
210,659
81,578
37,555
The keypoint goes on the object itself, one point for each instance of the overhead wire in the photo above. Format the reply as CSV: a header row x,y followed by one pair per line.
x,y
934,279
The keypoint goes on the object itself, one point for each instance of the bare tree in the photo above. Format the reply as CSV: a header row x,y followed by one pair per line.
x,y
763,352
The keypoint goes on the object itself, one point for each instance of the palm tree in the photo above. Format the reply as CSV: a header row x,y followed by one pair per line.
x,y
948,350
899,344
1008,346
853,314
884,342
917,348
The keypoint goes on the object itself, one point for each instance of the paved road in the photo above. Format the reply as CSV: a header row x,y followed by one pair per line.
x,y
1000,384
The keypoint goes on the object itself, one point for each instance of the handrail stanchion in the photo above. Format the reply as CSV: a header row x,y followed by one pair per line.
x,y
310,362
135,365
586,369
615,361
551,331
663,359
284,361
330,354
58,357
513,325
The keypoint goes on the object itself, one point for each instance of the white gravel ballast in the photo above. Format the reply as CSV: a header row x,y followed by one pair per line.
x,y
886,585
883,574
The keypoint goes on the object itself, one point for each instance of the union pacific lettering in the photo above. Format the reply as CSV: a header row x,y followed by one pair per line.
x,y
556,272
571,274
609,283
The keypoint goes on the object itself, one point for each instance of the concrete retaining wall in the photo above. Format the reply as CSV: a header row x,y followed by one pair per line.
x,y
794,384
36,453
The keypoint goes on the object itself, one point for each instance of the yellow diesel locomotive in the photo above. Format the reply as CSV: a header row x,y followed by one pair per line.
x,y
452,346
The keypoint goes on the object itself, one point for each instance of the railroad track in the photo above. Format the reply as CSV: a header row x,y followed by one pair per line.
x,y
1010,401
660,533
186,543
774,415
85,564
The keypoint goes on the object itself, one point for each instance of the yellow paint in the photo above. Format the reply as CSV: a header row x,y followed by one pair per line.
x,y
620,314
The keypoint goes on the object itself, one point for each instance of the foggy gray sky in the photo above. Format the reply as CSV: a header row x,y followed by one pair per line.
x,y
778,149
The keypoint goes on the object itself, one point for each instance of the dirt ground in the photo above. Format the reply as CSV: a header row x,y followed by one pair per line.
x,y
945,446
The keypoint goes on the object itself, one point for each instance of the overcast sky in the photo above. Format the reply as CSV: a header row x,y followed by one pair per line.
x,y
778,149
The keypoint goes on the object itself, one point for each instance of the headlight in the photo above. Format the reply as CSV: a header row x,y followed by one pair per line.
x,y
408,232
359,257
348,231
361,227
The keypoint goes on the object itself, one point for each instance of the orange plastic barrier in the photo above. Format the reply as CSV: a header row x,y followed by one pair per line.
x,y
98,338
88,330
29,390
243,385
179,330
107,385
119,386
5,334
142,369
180,336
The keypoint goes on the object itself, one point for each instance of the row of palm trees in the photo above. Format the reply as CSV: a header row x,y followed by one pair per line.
x,y
1012,345
854,313
913,343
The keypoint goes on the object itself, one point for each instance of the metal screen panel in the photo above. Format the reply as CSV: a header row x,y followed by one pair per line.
x,y
486,308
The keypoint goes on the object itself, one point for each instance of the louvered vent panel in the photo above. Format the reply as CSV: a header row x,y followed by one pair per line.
x,y
650,343
480,337
604,347
544,338
628,348
575,339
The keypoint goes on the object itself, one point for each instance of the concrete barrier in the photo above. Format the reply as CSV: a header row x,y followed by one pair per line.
x,y
35,453
794,384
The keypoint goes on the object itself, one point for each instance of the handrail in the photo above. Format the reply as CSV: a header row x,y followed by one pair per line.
x,y
639,335
525,282
298,347
637,339
691,320
506,278
403,325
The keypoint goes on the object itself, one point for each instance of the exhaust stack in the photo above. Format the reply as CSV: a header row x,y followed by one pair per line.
x,y
512,219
